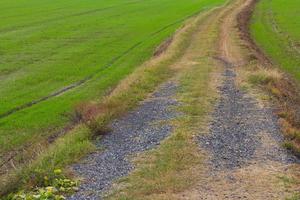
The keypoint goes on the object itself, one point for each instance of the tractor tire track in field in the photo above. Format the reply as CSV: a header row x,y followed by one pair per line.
x,y
88,12
140,130
284,36
91,76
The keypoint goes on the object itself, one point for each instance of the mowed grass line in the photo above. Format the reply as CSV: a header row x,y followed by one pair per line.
x,y
125,96
46,47
276,29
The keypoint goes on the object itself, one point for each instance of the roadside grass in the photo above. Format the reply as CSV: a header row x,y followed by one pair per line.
x,y
64,151
264,76
175,165
95,116
272,85
273,28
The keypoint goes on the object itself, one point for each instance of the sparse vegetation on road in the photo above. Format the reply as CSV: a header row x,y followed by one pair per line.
x,y
207,116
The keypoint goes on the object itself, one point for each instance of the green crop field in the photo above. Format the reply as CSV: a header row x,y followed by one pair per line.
x,y
55,54
276,28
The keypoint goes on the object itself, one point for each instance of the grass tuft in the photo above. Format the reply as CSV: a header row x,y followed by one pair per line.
x,y
66,150
264,77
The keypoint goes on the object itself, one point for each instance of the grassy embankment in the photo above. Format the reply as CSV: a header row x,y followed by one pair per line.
x,y
33,123
275,28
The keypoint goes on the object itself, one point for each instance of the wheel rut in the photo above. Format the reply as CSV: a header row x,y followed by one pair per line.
x,y
138,131
97,74
245,157
237,125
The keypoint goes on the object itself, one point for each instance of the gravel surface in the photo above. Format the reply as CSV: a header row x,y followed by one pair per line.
x,y
239,127
138,131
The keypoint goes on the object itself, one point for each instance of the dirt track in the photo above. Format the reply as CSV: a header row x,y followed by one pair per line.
x,y
245,156
245,159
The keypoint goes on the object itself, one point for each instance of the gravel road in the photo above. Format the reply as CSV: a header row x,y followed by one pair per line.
x,y
138,131
238,127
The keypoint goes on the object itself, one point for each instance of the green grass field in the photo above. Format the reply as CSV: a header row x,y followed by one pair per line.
x,y
59,53
276,28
